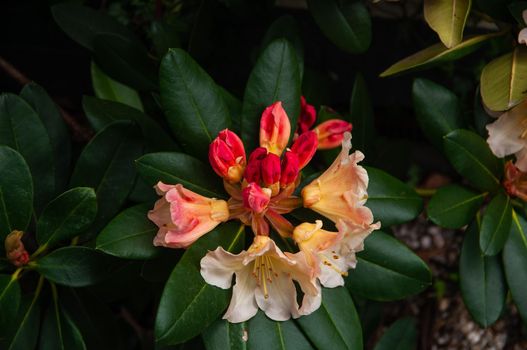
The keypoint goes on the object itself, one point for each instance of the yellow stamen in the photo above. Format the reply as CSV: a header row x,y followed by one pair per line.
x,y
263,272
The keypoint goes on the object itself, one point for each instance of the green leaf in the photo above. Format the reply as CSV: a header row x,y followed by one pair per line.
x,y
447,18
186,309
67,216
108,89
454,206
97,323
514,261
265,334
59,137
402,335
234,105
126,61
22,130
437,109
336,324
275,77
503,81
496,224
481,279
16,192
225,335
83,24
58,331
9,300
193,104
387,270
174,168
437,54
362,117
107,165
129,235
391,201
75,266
347,25
164,36
22,332
102,113
472,158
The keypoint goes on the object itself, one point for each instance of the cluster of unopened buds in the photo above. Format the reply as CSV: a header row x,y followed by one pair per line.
x,y
16,253
261,192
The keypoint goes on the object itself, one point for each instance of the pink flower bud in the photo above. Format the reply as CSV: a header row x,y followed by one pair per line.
x,y
270,168
15,251
253,173
275,129
305,147
515,181
331,133
227,156
308,115
290,169
183,216
256,198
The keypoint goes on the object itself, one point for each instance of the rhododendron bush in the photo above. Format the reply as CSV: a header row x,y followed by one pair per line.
x,y
237,174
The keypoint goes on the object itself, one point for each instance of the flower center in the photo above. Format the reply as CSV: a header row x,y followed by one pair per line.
x,y
263,272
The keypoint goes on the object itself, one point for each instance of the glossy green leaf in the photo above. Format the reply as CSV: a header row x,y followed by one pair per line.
x,y
82,23
437,109
514,261
225,335
402,335
186,309
437,54
67,216
59,332
454,206
22,332
447,18
496,225
275,77
59,137
102,113
234,105
22,130
174,168
362,117
387,270
16,192
75,266
98,324
126,61
130,234
193,105
346,24
481,279
336,324
503,81
265,334
9,301
391,201
108,89
472,158
107,165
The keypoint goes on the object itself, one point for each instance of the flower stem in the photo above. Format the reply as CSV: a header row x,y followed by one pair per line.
x,y
425,192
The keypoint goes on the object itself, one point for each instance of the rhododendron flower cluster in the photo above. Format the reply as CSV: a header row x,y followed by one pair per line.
x,y
262,189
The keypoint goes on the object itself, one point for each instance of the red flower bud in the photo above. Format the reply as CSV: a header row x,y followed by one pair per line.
x,y
256,198
227,156
308,115
275,129
515,181
331,133
290,168
270,169
305,147
253,173
15,251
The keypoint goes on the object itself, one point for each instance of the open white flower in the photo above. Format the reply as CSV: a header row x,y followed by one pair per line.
x,y
264,279
508,135
522,35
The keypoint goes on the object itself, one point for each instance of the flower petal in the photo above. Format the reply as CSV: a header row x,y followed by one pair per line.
x,y
280,302
504,133
218,266
243,304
